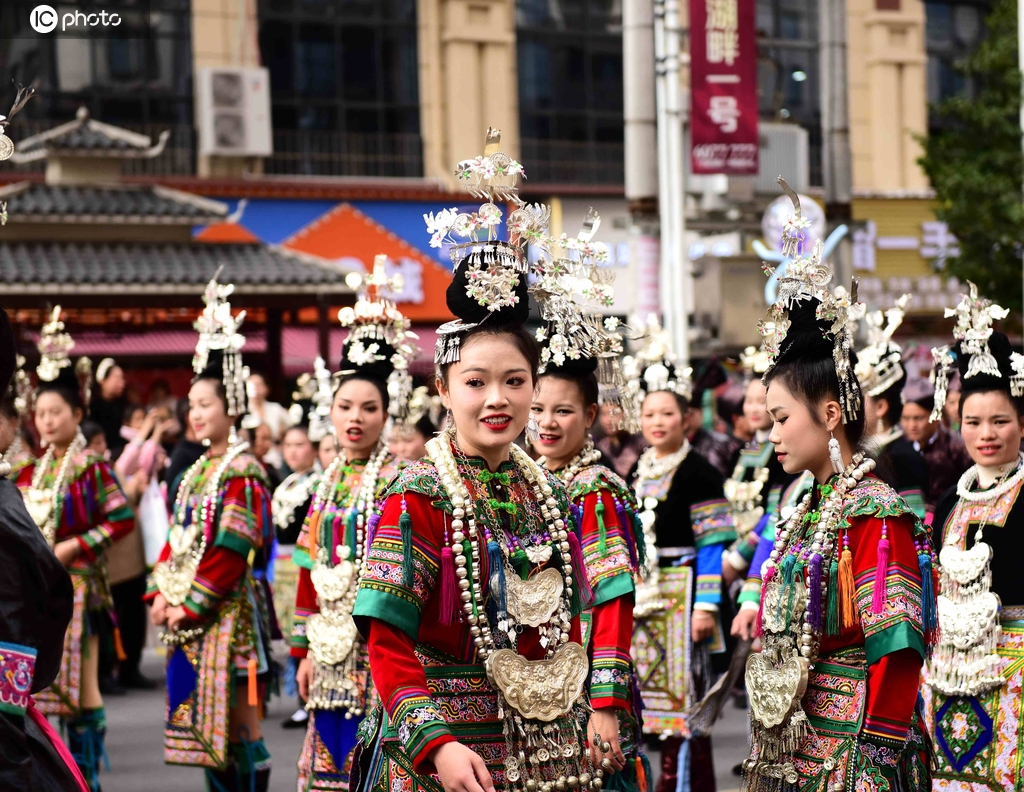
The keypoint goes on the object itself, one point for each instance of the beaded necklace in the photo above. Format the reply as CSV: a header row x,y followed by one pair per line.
x,y
541,701
777,677
44,502
332,633
587,456
188,541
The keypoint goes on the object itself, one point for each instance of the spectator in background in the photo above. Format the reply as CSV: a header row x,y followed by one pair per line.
x,y
622,448
951,412
719,449
944,452
730,410
410,442
108,403
185,452
327,451
270,413
260,446
160,396
95,438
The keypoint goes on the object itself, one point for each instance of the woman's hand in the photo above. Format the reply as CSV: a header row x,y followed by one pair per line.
x,y
303,676
744,624
177,618
158,610
702,625
730,574
461,769
147,426
67,551
605,722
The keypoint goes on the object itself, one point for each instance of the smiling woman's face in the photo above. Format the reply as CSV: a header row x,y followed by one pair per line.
x,y
662,422
489,390
991,428
563,420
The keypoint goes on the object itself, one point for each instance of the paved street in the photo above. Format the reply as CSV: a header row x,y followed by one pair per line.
x,y
134,744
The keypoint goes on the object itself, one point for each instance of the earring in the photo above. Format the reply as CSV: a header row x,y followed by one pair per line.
x,y
532,430
835,455
449,424
232,436
880,428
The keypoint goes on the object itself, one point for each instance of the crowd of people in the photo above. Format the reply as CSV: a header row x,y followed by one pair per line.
x,y
531,572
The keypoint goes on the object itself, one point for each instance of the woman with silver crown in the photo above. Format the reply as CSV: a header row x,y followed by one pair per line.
x,y
371,386
474,579
15,411
882,377
575,346
848,607
687,528
203,591
973,683
310,422
77,503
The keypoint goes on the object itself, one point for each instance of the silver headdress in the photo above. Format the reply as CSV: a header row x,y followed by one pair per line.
x,y
489,275
984,357
21,386
806,304
55,368
653,367
379,337
880,363
219,350
311,401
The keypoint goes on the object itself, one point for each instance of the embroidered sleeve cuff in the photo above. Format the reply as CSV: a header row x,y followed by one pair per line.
x,y
610,678
300,555
298,638
234,541
202,599
736,560
709,589
420,725
17,669
388,606
751,592
901,635
612,588
119,523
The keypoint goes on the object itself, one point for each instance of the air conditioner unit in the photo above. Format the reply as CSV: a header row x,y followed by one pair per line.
x,y
234,112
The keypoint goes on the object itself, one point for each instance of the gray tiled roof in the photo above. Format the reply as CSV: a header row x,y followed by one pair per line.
x,y
160,267
84,137
66,202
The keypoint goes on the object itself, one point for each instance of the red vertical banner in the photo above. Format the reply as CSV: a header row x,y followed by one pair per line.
x,y
723,87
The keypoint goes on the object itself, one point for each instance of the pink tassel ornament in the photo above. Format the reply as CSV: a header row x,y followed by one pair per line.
x,y
450,603
580,569
881,572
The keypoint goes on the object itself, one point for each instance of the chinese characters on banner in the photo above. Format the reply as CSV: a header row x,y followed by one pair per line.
x,y
723,83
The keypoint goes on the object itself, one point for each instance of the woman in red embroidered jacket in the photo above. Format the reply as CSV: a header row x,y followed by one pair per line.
x,y
565,408
75,500
332,673
848,602
203,588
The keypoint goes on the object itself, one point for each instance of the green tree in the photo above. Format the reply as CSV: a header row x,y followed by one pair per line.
x,y
976,167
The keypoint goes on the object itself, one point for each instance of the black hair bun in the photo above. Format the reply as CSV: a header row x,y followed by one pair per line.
x,y
8,353
808,337
1000,347
376,369
470,311
214,366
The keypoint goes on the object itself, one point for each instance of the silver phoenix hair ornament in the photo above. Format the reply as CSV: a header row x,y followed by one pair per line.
x,y
54,347
219,335
375,321
807,278
493,266
974,317
880,363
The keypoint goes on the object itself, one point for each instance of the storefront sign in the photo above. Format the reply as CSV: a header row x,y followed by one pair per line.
x,y
723,80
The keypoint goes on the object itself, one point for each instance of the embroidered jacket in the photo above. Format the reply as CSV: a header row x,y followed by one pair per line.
x,y
94,510
692,513
422,657
240,526
606,512
336,526
893,616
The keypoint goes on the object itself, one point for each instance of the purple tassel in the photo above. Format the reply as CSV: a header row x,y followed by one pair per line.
x,y
371,528
624,526
881,572
815,594
450,602
580,570
577,516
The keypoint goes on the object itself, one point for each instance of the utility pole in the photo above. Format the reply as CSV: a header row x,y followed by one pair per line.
x,y
671,188
1020,63
835,129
